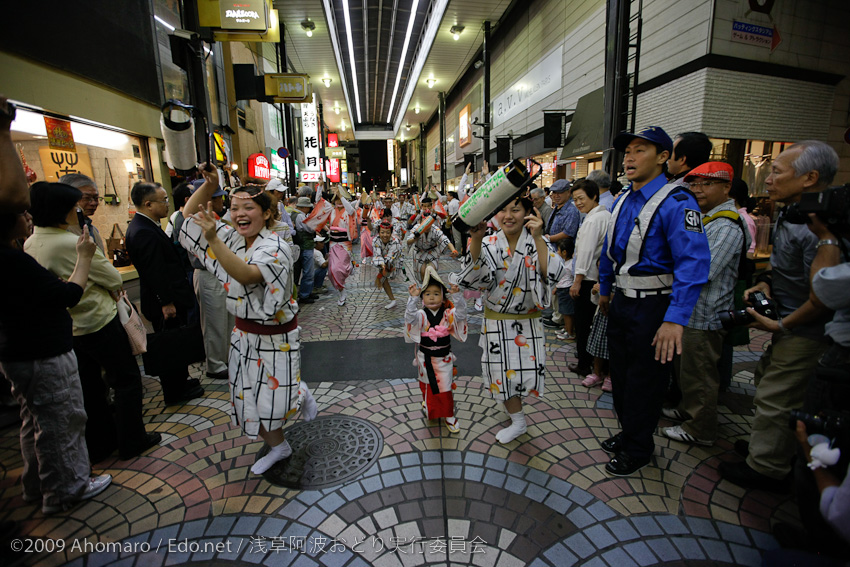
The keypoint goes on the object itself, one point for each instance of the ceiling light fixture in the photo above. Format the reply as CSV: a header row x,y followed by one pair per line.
x,y
336,109
347,16
456,31
401,60
308,27
408,126
342,122
327,81
416,110
431,82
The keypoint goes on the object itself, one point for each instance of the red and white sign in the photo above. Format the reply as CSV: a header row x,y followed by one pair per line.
x,y
311,176
333,170
259,167
333,141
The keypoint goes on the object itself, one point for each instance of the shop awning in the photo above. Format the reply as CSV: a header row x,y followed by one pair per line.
x,y
585,133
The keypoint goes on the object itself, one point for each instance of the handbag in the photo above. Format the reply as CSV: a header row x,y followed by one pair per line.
x,y
116,249
169,348
132,323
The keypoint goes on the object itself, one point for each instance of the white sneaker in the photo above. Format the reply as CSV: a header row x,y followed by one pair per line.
x,y
565,336
676,433
674,414
95,486
390,305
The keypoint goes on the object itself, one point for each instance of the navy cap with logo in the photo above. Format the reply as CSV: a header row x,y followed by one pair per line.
x,y
653,134
219,192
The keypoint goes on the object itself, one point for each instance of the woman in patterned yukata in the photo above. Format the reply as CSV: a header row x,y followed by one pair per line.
x,y
427,244
515,271
255,266
342,230
386,259
430,322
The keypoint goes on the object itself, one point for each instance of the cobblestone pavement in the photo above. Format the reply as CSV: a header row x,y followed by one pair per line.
x,y
430,497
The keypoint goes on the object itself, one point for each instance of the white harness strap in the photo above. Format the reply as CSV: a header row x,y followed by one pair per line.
x,y
634,247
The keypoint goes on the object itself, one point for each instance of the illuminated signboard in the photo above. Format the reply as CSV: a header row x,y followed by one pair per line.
x,y
311,176
333,170
310,137
259,167
464,126
333,141
244,15
390,154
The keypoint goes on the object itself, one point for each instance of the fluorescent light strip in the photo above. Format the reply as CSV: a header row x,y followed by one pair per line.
x,y
329,14
403,57
164,23
351,58
413,78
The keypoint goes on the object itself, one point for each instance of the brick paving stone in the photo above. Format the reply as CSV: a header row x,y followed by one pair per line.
x,y
599,536
580,545
663,549
688,547
745,555
560,555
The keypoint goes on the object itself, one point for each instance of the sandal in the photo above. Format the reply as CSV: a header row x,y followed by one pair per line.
x,y
591,380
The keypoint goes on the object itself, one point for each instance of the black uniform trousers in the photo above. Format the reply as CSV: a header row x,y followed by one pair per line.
x,y
639,381
584,312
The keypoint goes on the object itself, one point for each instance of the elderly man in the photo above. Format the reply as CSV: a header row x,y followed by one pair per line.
x,y
798,337
603,181
538,196
88,204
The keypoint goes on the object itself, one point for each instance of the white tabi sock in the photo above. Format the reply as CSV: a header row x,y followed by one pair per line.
x,y
277,453
309,407
341,299
516,429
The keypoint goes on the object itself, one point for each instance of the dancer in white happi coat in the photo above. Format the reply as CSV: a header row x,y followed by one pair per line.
x,y
255,266
427,245
514,270
387,259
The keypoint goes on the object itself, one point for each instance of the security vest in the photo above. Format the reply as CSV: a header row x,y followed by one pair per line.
x,y
637,242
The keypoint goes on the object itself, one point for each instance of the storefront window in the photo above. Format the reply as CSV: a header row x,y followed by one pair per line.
x,y
115,161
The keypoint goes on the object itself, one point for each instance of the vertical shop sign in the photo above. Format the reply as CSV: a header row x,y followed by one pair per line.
x,y
390,155
463,126
310,138
333,171
59,135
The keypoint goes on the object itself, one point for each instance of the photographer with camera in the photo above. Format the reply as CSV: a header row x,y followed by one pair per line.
x,y
784,370
824,509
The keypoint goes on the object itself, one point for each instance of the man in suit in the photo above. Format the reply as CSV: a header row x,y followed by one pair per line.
x,y
165,293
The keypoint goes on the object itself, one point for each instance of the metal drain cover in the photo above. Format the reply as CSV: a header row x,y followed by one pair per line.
x,y
326,452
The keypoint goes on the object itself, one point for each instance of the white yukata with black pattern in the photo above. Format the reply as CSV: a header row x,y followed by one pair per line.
x,y
513,359
265,370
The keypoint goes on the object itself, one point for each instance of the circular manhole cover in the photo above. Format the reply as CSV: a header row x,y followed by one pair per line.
x,y
325,452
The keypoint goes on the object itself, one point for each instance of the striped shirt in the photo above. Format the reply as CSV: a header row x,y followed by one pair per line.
x,y
725,239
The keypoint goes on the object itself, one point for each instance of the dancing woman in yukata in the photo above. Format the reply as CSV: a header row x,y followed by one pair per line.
x,y
427,241
255,266
343,229
514,270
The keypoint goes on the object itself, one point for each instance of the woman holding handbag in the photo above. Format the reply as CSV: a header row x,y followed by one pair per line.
x,y
254,265
100,341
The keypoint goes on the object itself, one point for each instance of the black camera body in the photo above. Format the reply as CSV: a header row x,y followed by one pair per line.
x,y
762,304
832,206
833,424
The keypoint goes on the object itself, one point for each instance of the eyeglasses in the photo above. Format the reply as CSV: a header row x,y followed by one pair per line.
x,y
164,201
705,183
92,198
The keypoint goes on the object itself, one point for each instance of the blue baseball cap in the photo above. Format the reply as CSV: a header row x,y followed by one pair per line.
x,y
560,186
653,134
196,184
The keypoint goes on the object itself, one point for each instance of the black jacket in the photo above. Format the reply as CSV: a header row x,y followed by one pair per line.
x,y
161,273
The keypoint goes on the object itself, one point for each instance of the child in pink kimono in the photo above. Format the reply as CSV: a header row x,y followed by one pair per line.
x,y
430,322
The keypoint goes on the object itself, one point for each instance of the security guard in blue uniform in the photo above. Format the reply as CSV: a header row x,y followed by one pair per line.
x,y
657,255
